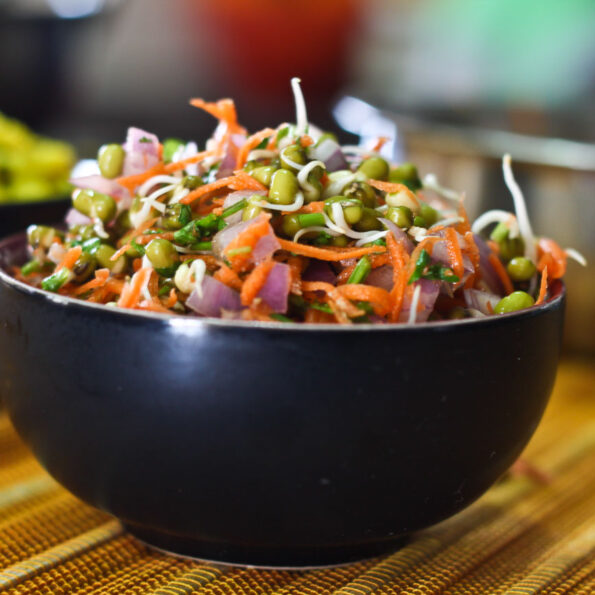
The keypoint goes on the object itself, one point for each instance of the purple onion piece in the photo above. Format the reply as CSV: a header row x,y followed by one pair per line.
x,y
216,296
427,299
330,153
266,246
275,291
142,151
479,300
398,234
381,277
319,270
228,163
74,217
100,184
488,273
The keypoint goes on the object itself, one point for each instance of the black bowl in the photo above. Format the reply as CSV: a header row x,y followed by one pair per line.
x,y
18,215
271,444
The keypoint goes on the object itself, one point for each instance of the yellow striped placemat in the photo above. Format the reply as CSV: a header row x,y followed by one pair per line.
x,y
522,537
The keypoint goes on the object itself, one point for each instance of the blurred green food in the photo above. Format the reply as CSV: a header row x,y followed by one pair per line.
x,y
31,167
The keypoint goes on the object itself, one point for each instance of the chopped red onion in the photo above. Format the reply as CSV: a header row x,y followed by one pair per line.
x,y
275,291
74,217
330,153
488,274
228,163
479,300
427,299
398,234
216,296
100,184
319,270
381,277
142,151
265,247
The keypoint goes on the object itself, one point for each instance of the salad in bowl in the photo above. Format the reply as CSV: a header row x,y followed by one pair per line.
x,y
286,225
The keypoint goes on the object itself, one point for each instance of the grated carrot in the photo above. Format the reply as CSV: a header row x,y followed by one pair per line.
x,y
131,292
101,276
550,255
255,281
131,235
170,168
247,239
542,287
501,272
223,109
454,252
71,256
229,277
131,182
378,298
392,187
327,254
380,142
239,181
252,142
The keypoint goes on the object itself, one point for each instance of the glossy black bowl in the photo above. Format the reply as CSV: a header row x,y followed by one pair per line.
x,y
18,215
271,444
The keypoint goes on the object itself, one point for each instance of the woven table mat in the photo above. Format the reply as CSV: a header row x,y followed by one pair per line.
x,y
526,535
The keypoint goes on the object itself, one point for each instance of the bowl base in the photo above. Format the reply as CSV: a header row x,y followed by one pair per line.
x,y
263,557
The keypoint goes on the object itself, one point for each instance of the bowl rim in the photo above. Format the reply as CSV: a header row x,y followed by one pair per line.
x,y
180,321
52,200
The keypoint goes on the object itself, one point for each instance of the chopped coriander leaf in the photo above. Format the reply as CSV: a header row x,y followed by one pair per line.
x,y
56,280
322,307
280,318
282,133
90,246
185,215
31,267
422,262
144,139
138,247
263,144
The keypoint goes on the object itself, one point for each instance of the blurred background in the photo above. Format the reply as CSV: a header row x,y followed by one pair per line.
x,y
455,83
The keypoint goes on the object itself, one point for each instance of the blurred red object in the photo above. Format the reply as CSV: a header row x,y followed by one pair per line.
x,y
258,45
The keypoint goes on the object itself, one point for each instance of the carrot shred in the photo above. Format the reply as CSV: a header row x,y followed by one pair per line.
x,y
131,182
101,276
327,254
71,256
312,207
132,291
131,235
380,142
252,142
172,298
145,239
344,275
454,252
378,298
317,286
255,281
550,255
239,181
463,226
306,140
398,257
247,239
223,109
153,306
542,287
229,277
170,168
501,272
473,252
392,187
